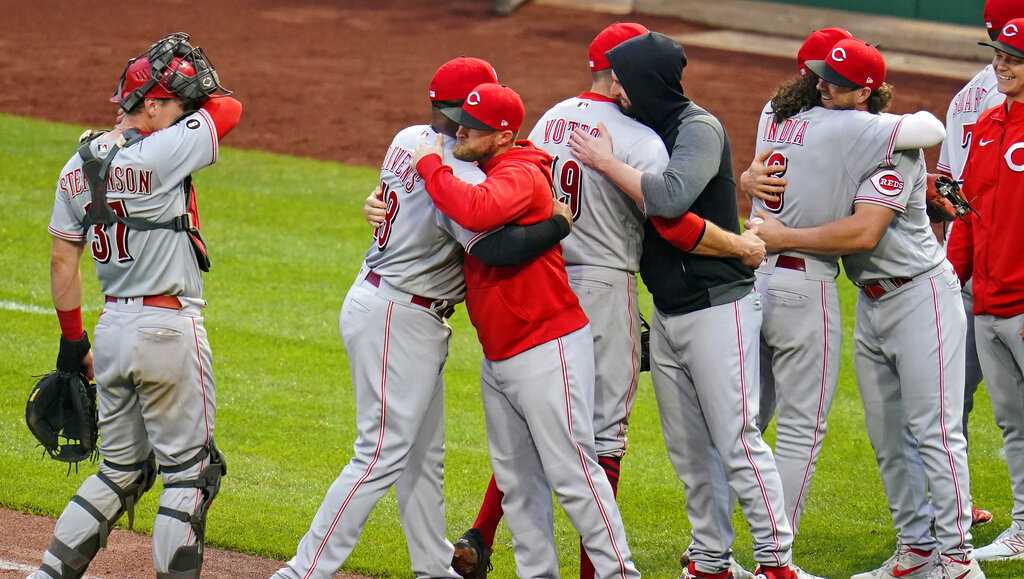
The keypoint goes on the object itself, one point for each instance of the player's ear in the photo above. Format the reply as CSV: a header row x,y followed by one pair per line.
x,y
506,138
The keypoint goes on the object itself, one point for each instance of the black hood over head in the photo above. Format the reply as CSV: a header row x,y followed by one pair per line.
x,y
650,67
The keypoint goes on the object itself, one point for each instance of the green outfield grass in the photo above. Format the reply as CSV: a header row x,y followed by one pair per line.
x,y
286,238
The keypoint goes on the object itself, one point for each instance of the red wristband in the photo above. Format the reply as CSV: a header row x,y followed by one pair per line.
x,y
71,324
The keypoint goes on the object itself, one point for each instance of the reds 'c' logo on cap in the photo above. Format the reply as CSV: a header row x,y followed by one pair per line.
x,y
1010,30
839,54
473,99
888,182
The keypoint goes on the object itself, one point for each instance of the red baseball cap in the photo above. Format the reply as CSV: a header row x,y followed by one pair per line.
x,y
817,44
1011,38
998,12
851,63
612,36
455,78
490,107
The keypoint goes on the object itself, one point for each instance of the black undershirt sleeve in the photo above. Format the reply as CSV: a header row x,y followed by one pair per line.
x,y
517,244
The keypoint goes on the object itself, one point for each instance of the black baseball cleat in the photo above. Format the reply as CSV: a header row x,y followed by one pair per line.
x,y
472,559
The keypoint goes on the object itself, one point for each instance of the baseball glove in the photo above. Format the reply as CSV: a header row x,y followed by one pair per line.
x,y
944,199
61,413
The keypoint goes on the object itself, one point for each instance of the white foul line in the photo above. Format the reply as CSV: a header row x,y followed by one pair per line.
x,y
12,566
30,308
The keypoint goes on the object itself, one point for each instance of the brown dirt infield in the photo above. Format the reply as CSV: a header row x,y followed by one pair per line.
x,y
335,81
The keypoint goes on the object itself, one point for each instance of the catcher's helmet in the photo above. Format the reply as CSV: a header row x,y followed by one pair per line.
x,y
138,73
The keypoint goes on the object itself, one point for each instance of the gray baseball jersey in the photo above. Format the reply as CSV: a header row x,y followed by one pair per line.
x,y
607,226
908,247
977,96
409,249
602,254
824,152
833,151
145,181
155,383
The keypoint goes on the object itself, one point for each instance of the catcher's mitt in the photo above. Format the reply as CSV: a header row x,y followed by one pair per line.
x,y
944,199
61,413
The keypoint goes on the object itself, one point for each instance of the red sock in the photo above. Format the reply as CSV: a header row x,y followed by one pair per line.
x,y
610,464
490,513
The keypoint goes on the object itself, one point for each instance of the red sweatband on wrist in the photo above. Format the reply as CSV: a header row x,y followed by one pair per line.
x,y
71,323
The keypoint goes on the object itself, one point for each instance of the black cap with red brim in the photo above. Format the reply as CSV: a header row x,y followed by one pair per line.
x,y
824,71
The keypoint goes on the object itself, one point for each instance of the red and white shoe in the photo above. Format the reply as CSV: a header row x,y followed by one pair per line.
x,y
906,563
766,572
980,517
952,568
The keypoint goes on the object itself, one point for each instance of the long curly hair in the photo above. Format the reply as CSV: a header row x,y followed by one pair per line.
x,y
794,96
802,93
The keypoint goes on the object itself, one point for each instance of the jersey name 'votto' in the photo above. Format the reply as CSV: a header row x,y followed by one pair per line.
x,y
558,130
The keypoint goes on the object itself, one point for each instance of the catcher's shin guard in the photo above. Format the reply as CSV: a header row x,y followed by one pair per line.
x,y
127,482
187,560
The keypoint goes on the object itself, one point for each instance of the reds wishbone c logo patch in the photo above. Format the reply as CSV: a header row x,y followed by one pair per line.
x,y
473,99
888,182
839,54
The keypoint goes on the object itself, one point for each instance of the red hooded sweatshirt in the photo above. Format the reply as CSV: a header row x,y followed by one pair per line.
x,y
986,245
514,308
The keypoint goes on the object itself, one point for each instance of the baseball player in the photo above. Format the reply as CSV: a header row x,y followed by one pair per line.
x,y
976,96
802,332
127,194
703,379
985,248
538,373
602,257
394,326
909,334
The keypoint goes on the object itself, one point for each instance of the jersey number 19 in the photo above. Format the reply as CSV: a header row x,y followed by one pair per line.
x,y
569,183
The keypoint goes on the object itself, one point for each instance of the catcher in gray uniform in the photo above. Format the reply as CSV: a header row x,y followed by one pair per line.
x,y
135,207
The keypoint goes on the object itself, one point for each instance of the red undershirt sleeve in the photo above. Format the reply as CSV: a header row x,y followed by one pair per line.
x,y
684,232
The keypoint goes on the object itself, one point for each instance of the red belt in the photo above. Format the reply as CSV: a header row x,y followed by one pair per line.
x,y
790,262
166,302
879,288
374,279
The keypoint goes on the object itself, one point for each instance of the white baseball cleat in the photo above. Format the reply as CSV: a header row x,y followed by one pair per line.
x,y
801,574
950,568
1008,546
906,563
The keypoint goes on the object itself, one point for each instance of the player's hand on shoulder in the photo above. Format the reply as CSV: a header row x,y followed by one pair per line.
x,y
374,208
592,151
770,230
752,249
759,180
428,147
561,210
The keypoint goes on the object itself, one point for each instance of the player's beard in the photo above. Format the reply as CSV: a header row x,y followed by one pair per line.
x,y
482,150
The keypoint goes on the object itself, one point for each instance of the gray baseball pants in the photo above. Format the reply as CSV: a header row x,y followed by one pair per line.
x,y
705,371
